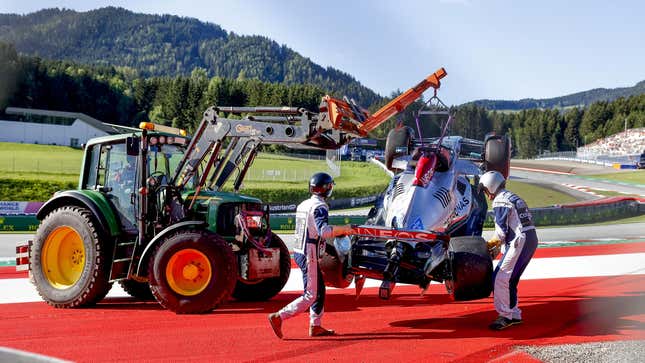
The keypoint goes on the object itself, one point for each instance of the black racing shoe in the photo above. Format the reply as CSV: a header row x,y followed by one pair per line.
x,y
501,323
516,321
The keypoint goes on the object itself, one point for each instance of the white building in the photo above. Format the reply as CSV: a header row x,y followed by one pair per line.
x,y
32,126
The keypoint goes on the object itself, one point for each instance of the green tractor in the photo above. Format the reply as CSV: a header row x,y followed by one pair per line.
x,y
190,248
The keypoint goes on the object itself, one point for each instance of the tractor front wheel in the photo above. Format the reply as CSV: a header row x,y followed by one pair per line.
x,y
192,272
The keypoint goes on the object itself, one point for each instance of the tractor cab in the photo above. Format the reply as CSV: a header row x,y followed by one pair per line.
x,y
112,167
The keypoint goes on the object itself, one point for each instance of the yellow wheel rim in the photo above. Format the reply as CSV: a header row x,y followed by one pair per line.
x,y
188,272
63,257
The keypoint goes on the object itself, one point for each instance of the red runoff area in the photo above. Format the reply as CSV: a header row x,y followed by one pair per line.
x,y
406,328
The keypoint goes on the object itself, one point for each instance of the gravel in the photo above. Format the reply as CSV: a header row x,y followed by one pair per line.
x,y
623,351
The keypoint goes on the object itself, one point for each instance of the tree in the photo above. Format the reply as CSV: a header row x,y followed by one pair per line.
x,y
572,119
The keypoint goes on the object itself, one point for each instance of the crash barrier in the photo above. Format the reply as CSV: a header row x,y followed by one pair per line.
x,y
624,166
600,210
604,160
343,203
29,222
19,223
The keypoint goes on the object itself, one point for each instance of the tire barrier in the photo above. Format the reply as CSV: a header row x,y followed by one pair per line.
x,y
601,210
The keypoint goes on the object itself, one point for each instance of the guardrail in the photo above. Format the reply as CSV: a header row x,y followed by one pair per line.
x,y
600,210
616,161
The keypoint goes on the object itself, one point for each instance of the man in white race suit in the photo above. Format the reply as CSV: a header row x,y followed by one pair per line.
x,y
514,229
312,230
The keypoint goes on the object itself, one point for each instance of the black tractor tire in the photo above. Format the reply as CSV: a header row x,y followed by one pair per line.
x,y
192,272
136,289
497,154
265,289
471,269
397,138
335,273
70,261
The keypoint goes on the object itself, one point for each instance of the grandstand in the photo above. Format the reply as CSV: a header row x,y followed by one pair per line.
x,y
629,142
624,148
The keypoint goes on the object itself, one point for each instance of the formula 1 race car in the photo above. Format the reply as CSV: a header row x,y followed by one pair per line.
x,y
427,225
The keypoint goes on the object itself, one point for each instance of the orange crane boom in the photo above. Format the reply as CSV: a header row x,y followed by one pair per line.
x,y
351,118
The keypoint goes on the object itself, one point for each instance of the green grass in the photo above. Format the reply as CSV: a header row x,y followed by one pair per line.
x,y
36,176
609,193
357,179
631,177
536,196
34,172
50,159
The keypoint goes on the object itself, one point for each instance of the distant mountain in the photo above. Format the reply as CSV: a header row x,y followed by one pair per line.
x,y
581,99
168,45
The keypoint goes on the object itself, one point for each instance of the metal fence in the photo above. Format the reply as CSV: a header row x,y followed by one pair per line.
x,y
281,174
16,163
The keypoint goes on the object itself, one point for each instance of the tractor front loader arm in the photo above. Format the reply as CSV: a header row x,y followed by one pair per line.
x,y
336,123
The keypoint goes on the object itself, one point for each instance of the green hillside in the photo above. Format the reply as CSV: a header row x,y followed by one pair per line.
x,y
578,99
165,45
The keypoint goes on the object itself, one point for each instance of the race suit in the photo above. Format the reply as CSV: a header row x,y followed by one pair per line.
x,y
514,227
311,225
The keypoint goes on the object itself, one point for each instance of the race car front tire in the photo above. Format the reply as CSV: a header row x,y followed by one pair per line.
x,y
471,269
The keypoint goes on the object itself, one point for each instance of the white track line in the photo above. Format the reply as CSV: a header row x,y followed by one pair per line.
x,y
20,290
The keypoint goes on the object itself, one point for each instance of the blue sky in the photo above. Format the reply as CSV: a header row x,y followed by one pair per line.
x,y
491,49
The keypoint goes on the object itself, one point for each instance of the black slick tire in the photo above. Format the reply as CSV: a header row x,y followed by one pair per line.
x,y
471,269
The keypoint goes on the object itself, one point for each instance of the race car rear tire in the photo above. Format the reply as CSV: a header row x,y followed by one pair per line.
x,y
335,273
497,154
471,269
400,137
265,289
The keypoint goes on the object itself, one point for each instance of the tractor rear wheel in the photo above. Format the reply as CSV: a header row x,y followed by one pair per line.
x,y
471,269
192,272
264,289
70,263
136,289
